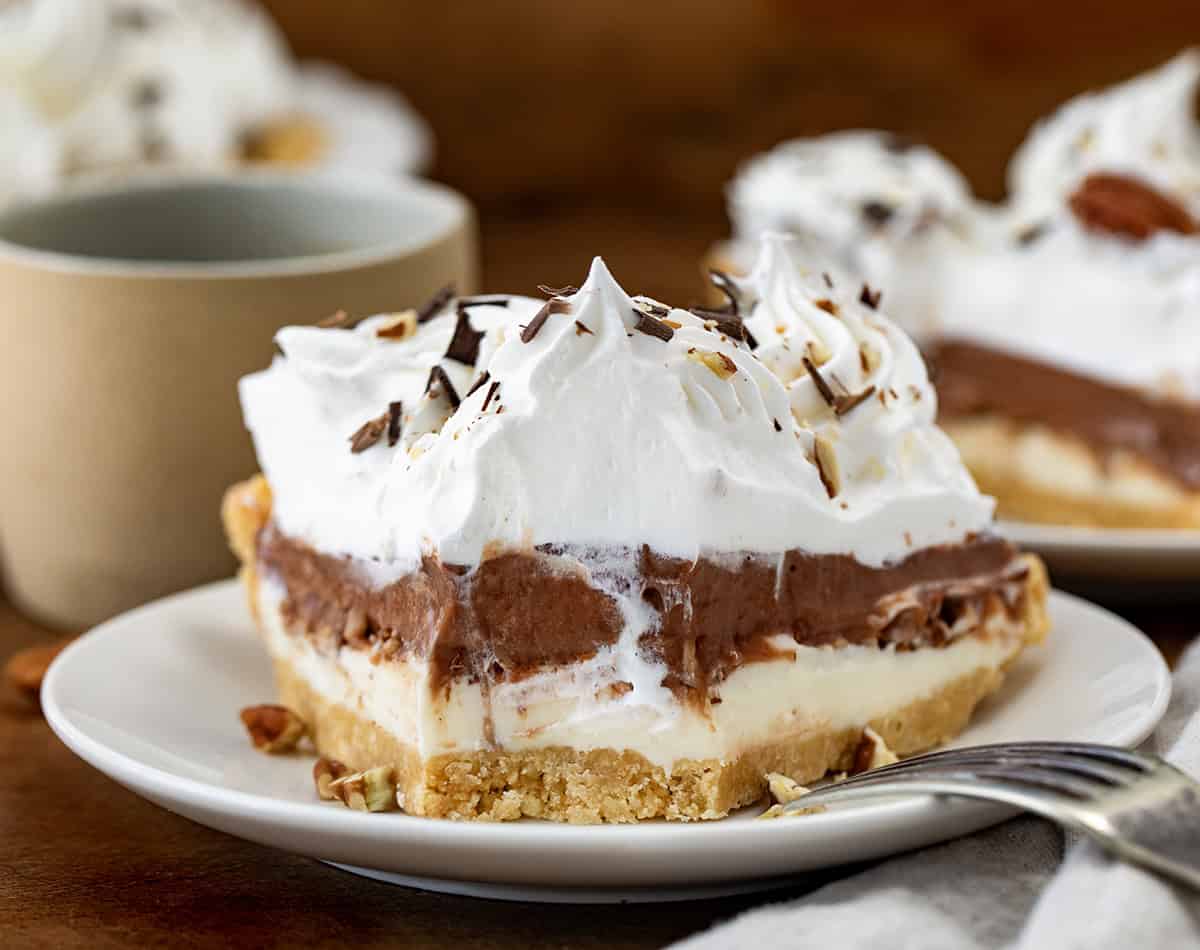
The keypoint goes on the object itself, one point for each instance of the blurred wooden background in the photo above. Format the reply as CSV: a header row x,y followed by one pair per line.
x,y
609,126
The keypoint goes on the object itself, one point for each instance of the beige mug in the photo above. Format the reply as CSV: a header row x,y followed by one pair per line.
x,y
127,315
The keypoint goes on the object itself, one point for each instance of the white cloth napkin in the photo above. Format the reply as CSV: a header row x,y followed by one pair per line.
x,y
1006,887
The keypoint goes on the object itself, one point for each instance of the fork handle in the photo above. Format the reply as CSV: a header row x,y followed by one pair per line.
x,y
1159,828
1163,836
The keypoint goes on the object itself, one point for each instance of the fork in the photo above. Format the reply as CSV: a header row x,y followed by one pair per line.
x,y
1137,807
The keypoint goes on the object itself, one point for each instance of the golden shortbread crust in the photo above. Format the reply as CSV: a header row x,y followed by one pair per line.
x,y
606,785
1123,491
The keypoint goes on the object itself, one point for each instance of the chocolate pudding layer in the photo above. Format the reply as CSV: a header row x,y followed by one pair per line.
x,y
975,380
518,613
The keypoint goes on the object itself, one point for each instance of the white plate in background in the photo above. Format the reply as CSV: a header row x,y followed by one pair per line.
x,y
1130,557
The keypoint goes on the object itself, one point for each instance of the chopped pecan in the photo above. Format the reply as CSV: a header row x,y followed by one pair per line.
x,y
325,773
826,460
370,790
273,728
871,753
719,363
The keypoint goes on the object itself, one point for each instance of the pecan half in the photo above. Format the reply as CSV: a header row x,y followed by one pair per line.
x,y
1120,204
26,668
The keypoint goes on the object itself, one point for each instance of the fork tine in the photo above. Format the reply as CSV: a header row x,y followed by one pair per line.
x,y
1049,802
1150,819
1046,779
1094,769
1076,786
1085,751
1111,754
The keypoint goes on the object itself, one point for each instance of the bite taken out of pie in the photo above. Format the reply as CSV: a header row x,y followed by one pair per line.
x,y
593,558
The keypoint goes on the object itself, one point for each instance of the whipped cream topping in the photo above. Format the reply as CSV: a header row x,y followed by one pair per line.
x,y
106,86
821,337
1102,306
1145,127
865,204
846,189
607,422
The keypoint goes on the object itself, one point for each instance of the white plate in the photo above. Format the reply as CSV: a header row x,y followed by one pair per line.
x,y
1149,560
152,699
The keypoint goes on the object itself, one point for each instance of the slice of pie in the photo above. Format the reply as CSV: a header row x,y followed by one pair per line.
x,y
1068,357
598,559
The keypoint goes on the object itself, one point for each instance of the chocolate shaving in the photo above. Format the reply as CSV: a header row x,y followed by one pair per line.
x,y
133,19
478,384
846,403
567,291
726,285
438,377
730,324
828,280
492,390
897,144
433,306
551,307
1032,233
368,433
337,321
869,297
877,213
827,394
464,345
146,94
581,329
652,326
827,305
778,427
482,302
395,422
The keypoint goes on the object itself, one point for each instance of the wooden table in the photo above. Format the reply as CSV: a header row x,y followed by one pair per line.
x,y
85,863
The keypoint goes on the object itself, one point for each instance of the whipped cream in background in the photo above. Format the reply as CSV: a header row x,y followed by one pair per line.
x,y
600,436
105,86
864,203
1100,304
1096,304
366,126
1145,127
